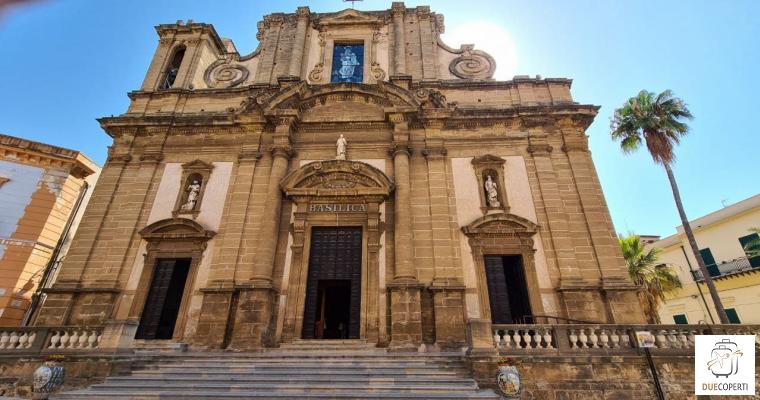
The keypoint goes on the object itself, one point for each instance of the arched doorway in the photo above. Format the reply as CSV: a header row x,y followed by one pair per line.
x,y
333,286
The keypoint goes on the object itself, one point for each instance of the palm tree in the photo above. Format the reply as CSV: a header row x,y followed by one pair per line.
x,y
658,122
656,279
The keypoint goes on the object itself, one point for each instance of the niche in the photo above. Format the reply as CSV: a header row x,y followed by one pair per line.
x,y
195,177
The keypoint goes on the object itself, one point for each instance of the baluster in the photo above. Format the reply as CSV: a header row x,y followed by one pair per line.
x,y
4,339
65,340
661,340
516,338
582,339
548,338
625,339
673,339
496,338
32,335
573,339
14,340
100,335
527,339
55,340
23,340
593,338
92,339
83,336
604,339
74,339
683,339
614,339
537,339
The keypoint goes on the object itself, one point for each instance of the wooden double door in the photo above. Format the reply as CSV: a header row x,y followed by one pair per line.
x,y
162,305
333,290
507,288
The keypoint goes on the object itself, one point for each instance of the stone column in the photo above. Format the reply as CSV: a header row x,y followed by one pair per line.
x,y
406,311
256,298
399,45
296,54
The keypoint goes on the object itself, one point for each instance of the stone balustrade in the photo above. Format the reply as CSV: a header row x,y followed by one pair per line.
x,y
49,339
573,338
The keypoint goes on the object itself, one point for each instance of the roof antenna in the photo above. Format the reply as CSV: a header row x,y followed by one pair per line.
x,y
724,201
352,2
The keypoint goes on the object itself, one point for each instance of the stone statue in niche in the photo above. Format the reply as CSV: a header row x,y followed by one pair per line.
x,y
492,193
193,190
341,151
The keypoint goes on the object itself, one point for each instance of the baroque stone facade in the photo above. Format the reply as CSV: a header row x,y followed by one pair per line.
x,y
222,192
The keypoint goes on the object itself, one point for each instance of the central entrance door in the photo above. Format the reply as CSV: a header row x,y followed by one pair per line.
x,y
164,299
507,290
333,289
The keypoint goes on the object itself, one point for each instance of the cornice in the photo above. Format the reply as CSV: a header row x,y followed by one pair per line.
x,y
28,151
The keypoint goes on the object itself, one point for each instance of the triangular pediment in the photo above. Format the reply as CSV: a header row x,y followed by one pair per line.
x,y
349,17
197,165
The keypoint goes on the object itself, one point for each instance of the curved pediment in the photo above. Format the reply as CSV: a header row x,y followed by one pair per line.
x,y
302,97
177,229
336,178
501,224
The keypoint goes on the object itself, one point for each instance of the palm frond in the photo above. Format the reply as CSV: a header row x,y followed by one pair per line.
x,y
657,120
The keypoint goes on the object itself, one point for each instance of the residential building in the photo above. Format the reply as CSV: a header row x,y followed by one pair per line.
x,y
721,237
43,192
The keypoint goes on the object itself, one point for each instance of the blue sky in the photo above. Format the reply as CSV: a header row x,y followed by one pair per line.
x,y
67,62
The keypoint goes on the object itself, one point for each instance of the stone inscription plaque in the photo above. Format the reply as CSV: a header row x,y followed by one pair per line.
x,y
338,208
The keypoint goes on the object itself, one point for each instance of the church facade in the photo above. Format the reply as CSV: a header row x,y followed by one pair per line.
x,y
352,178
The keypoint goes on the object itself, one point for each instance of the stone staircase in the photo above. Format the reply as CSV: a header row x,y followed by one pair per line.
x,y
302,370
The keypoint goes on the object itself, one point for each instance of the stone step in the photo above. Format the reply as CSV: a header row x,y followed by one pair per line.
x,y
295,371
264,395
336,387
312,364
296,374
304,370
364,379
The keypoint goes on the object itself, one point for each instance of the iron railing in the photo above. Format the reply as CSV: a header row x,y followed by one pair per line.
x,y
727,268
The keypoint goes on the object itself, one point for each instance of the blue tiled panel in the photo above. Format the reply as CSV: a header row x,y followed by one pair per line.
x,y
348,63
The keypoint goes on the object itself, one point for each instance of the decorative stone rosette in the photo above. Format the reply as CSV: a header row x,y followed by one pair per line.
x,y
473,64
224,74
47,378
508,380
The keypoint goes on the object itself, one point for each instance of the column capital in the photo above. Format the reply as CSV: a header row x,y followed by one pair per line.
x,y
282,150
540,149
303,12
434,152
397,148
398,8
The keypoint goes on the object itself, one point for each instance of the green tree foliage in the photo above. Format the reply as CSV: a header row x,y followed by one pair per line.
x,y
655,279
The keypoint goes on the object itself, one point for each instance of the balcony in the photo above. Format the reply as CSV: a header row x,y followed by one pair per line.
x,y
727,268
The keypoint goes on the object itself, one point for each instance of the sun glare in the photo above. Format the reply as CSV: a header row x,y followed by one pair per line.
x,y
489,37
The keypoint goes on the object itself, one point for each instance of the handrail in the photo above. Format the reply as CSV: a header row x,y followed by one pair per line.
x,y
534,319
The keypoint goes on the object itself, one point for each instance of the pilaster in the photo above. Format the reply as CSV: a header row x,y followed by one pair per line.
x,y
398,9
